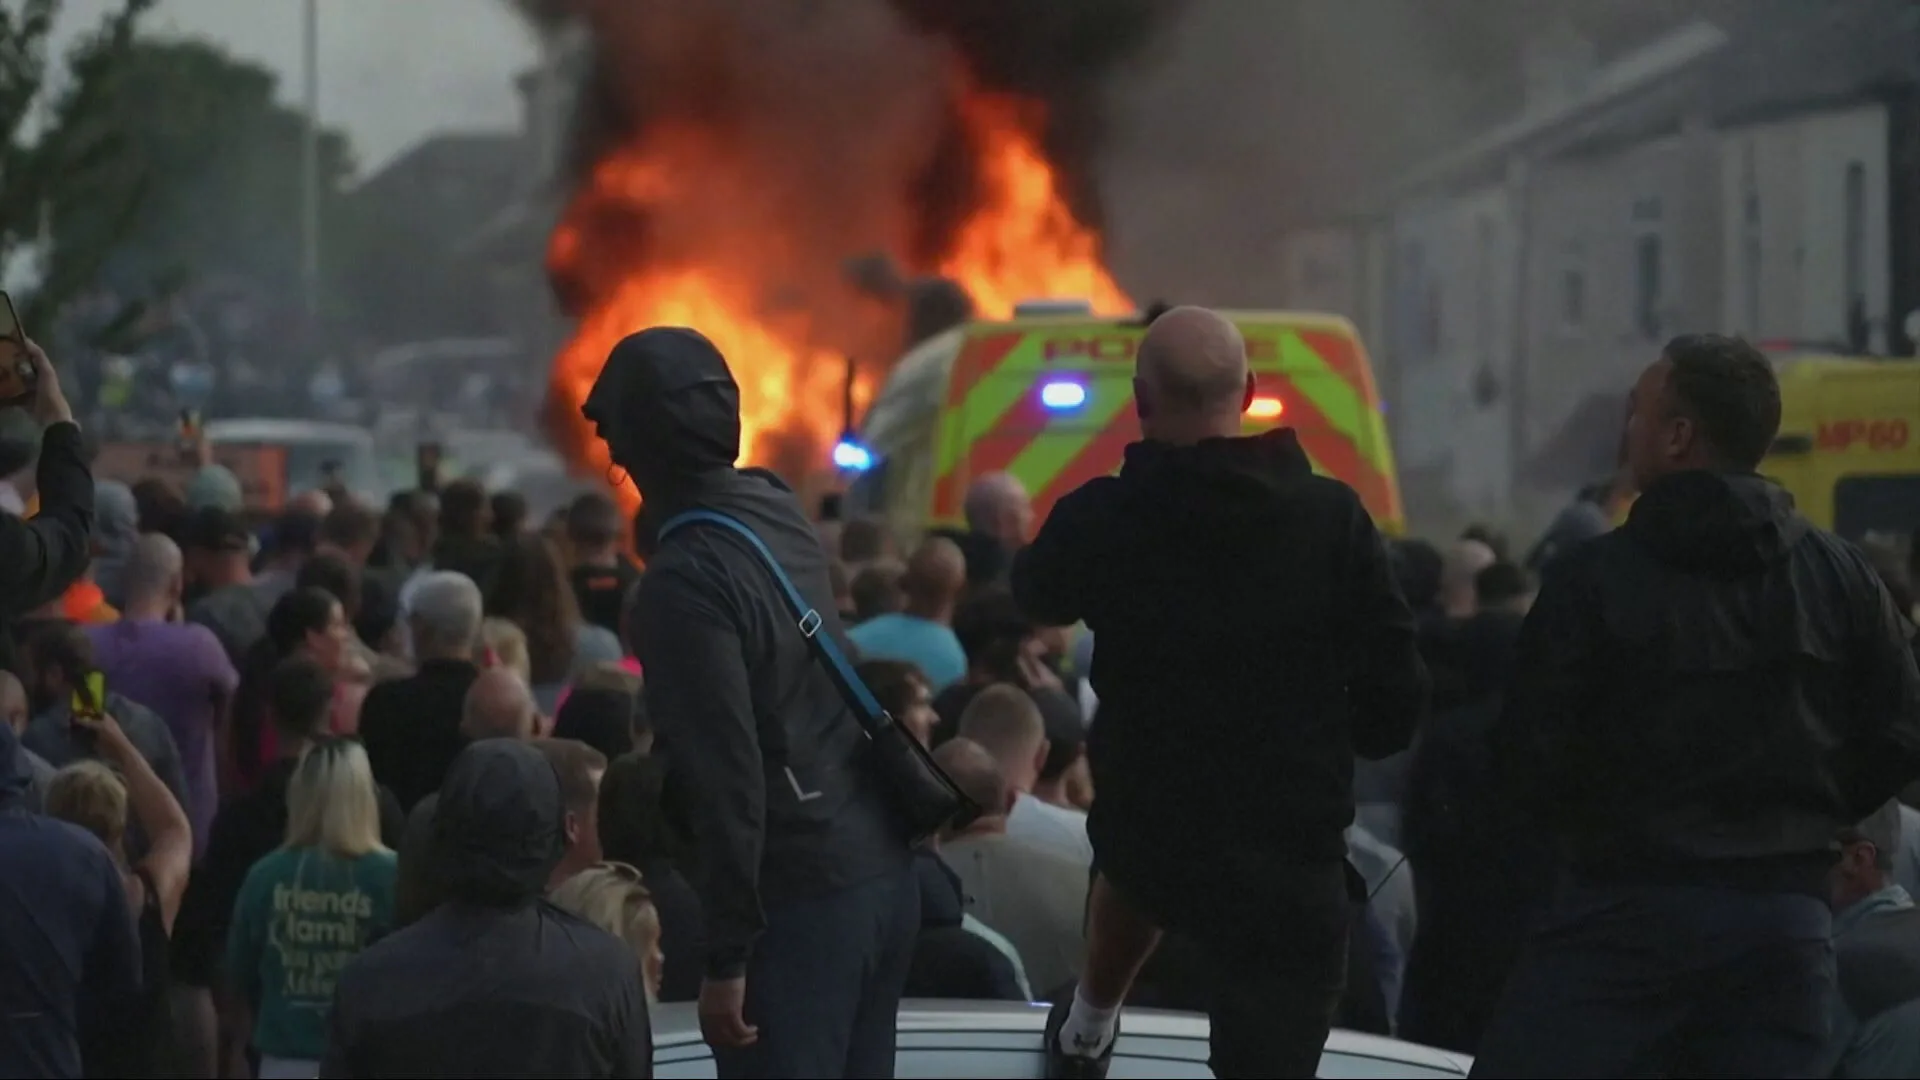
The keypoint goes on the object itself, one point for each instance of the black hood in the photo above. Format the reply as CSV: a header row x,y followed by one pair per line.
x,y
1724,525
1200,473
15,777
668,407
499,827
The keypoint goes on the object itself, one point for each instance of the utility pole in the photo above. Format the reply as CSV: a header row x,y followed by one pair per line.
x,y
310,164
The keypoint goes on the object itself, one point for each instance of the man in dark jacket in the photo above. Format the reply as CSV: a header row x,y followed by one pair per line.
x,y
808,891
1252,639
496,981
69,963
41,556
1701,700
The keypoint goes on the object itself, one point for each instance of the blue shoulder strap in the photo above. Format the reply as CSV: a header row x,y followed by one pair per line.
x,y
825,649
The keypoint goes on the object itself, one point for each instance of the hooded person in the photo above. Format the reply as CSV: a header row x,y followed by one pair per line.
x,y
69,959
805,880
495,981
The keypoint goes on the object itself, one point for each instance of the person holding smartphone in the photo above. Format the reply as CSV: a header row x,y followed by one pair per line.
x,y
41,556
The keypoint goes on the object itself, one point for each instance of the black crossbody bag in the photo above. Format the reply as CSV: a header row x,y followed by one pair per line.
x,y
920,791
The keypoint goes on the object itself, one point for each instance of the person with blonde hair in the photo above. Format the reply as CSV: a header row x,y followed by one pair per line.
x,y
93,795
310,907
613,897
504,644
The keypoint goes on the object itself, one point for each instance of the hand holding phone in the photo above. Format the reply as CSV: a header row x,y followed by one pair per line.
x,y
27,377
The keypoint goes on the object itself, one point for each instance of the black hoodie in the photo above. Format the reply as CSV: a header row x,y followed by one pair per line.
x,y
1252,639
1710,691
496,982
772,762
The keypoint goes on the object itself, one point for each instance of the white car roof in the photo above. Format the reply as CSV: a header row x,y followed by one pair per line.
x,y
677,1042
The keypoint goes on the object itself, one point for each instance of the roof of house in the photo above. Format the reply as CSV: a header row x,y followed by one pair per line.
x,y
1774,58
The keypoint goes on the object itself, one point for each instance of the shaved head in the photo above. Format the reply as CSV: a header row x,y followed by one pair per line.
x,y
936,572
1190,376
999,506
499,706
154,568
976,773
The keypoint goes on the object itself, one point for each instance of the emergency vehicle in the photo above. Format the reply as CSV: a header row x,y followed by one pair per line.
x,y
1047,397
1847,447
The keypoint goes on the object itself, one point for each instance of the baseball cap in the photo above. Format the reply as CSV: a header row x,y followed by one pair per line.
x,y
212,528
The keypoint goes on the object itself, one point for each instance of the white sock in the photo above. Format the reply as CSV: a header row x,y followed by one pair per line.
x,y
1088,1030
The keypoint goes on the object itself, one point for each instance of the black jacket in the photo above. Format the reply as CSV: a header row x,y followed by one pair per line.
x,y
41,556
411,727
771,760
1711,690
1252,639
496,982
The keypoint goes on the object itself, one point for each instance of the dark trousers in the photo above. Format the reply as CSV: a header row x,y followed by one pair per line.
x,y
824,984
1648,981
1268,942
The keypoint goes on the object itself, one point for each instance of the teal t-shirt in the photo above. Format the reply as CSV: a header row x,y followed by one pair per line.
x,y
301,916
922,642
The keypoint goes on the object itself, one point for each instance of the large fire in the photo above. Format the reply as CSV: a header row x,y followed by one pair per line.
x,y
673,229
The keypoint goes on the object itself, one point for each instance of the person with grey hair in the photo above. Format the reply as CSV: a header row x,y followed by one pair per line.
x,y
1876,945
176,668
411,726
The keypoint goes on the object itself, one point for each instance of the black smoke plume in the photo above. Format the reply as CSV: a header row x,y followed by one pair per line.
x,y
1057,53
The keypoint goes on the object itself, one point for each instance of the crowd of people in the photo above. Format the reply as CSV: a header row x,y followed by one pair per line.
x,y
436,790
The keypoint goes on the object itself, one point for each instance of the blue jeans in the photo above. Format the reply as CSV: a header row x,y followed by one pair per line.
x,y
1625,981
824,984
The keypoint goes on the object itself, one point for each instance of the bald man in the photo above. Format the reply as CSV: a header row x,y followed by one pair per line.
x,y
1252,639
922,632
999,514
499,705
177,669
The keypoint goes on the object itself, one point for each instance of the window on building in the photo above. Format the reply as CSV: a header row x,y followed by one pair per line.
x,y
1647,285
1855,236
1573,298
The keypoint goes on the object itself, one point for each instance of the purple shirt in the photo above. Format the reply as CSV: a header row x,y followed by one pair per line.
x,y
181,672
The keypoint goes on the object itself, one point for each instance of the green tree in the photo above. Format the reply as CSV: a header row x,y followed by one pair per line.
x,y
215,162
58,140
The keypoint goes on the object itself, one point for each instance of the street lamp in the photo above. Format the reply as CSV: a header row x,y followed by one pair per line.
x,y
310,163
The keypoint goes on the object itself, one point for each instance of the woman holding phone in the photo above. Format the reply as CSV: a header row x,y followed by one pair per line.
x,y
93,795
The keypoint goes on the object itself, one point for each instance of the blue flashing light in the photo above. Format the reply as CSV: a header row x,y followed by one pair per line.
x,y
1063,395
851,456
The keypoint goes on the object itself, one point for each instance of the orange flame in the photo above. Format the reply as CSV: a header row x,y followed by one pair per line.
x,y
1023,242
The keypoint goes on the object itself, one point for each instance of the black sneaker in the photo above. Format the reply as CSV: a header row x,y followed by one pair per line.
x,y
1062,1065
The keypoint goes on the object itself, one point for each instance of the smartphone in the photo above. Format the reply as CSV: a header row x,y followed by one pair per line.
x,y
90,695
426,461
16,367
190,436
